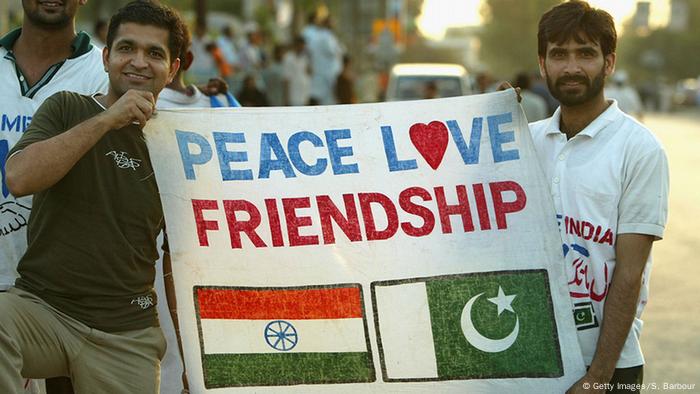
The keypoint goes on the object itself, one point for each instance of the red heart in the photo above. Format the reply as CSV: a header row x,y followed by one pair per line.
x,y
430,140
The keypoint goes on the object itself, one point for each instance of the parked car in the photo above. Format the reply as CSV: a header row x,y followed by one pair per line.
x,y
415,81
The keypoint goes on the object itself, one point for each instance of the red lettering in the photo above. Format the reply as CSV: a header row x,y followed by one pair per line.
x,y
275,225
366,199
235,226
607,238
418,210
597,233
586,230
462,209
290,206
481,207
204,225
502,208
575,227
350,223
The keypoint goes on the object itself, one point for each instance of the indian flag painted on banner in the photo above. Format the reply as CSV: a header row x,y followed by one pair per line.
x,y
283,336
471,326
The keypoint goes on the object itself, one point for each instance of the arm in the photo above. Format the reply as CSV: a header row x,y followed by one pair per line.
x,y
632,251
42,164
172,307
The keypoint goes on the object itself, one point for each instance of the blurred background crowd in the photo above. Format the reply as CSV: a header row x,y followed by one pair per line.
x,y
301,52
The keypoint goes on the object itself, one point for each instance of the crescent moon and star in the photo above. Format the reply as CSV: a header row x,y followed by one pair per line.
x,y
479,341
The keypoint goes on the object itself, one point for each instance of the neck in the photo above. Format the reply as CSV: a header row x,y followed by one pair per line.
x,y
108,99
577,117
178,85
42,43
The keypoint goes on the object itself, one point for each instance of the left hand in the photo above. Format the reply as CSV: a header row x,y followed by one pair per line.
x,y
214,87
505,85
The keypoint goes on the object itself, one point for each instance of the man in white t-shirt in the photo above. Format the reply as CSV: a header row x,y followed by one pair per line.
x,y
41,58
297,74
609,181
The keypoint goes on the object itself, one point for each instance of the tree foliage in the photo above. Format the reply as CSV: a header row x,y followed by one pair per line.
x,y
509,35
662,52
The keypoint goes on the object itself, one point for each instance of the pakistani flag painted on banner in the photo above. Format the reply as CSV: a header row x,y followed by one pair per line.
x,y
283,336
471,326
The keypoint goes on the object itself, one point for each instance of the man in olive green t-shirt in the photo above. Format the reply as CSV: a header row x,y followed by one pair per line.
x,y
84,304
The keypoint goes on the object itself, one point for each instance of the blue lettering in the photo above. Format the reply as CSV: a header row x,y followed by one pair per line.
x,y
390,151
226,156
269,144
337,152
8,125
4,151
499,138
470,152
184,139
25,122
295,154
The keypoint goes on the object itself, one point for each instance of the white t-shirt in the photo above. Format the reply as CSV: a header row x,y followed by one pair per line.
x,y
83,73
296,68
169,98
609,179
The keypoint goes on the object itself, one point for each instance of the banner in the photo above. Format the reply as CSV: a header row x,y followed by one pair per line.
x,y
406,246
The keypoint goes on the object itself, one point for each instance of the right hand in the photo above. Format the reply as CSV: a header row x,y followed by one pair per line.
x,y
135,106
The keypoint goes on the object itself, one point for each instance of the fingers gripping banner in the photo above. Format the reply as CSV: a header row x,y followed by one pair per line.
x,y
387,247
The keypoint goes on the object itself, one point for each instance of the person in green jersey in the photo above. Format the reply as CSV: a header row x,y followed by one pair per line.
x,y
84,304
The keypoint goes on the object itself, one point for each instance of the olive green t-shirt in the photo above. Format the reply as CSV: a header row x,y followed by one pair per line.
x,y
92,236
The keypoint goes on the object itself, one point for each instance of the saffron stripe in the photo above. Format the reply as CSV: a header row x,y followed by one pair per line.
x,y
268,304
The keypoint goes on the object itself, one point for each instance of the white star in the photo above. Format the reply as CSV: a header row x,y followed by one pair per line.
x,y
503,301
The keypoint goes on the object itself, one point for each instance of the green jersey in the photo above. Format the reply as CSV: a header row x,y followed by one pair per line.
x,y
92,236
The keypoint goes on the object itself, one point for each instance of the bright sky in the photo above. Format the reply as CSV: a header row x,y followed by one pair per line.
x,y
437,15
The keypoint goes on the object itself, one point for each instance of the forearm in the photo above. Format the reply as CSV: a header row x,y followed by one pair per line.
x,y
40,165
170,296
632,251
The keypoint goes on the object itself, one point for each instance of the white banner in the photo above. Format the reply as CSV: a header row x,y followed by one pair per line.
x,y
407,246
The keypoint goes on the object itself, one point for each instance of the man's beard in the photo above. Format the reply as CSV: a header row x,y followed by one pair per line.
x,y
48,21
591,88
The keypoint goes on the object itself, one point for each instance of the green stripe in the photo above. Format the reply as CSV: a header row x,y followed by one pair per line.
x,y
276,369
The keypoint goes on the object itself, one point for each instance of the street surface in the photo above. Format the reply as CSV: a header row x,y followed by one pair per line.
x,y
671,334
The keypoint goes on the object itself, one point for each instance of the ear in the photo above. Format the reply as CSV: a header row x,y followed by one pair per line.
x,y
610,61
105,58
187,61
540,62
174,66
82,2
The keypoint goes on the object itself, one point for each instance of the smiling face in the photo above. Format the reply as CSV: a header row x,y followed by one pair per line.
x,y
139,59
576,71
51,13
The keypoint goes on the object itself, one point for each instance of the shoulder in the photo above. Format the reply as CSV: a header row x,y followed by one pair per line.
x,y
65,99
637,136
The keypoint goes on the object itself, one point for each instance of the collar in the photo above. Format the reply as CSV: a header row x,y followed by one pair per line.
x,y
611,114
80,44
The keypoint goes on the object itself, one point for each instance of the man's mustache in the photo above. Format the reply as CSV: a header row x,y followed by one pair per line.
x,y
573,78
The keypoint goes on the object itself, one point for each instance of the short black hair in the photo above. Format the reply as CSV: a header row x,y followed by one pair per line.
x,y
578,20
152,13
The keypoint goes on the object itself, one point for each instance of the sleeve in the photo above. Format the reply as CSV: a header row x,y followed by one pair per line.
x,y
46,122
643,207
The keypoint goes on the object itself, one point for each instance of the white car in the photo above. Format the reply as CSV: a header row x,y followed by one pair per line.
x,y
416,81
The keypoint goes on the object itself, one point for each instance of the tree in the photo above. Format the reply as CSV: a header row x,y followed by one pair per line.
x,y
509,35
662,52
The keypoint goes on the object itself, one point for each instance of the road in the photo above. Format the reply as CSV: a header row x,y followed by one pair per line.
x,y
671,334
